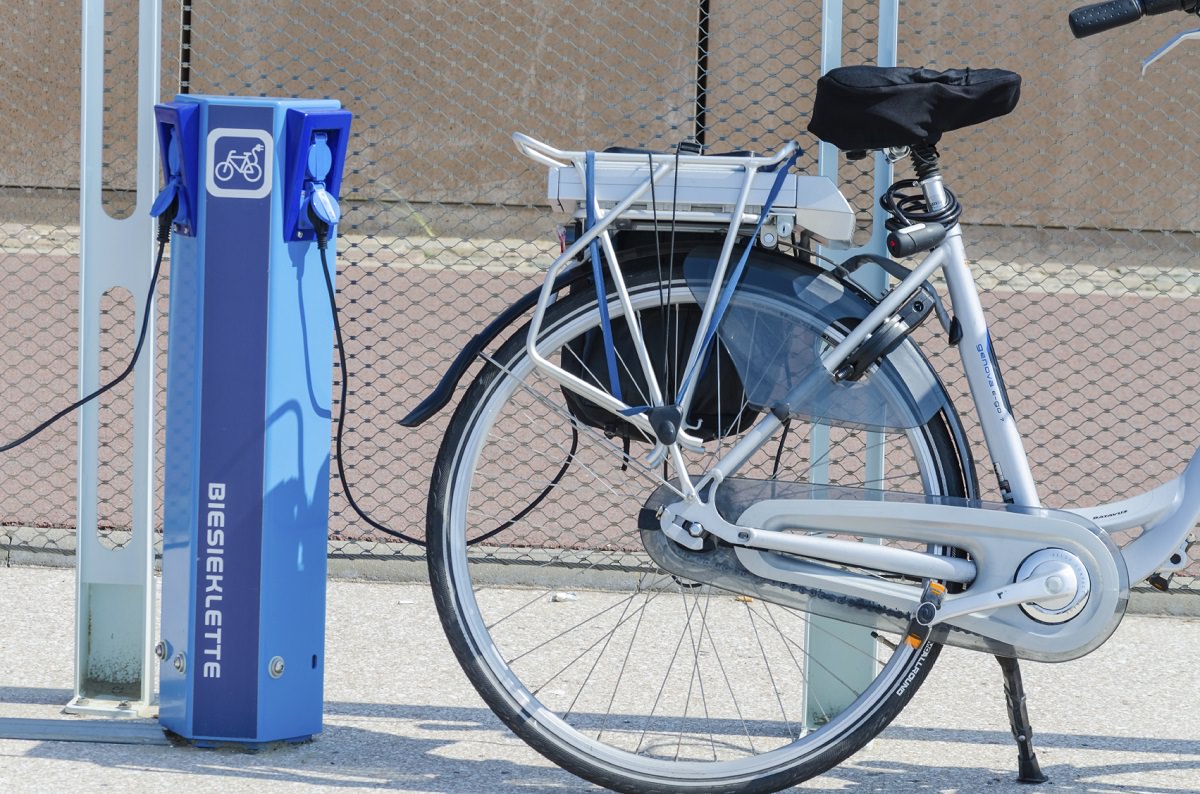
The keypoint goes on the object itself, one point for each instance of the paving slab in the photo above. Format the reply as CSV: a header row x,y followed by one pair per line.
x,y
401,717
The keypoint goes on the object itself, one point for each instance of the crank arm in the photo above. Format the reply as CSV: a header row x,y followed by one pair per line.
x,y
1053,585
994,620
1053,589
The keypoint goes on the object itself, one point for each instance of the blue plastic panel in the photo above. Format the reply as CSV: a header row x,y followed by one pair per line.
x,y
301,127
178,148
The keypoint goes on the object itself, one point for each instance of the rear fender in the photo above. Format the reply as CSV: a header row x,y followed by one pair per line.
x,y
444,391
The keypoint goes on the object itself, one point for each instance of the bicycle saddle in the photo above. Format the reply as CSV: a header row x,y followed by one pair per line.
x,y
877,107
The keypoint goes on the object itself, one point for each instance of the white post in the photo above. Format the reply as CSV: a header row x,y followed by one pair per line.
x,y
115,598
840,658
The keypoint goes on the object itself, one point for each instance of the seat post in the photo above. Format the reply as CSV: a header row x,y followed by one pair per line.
x,y
928,167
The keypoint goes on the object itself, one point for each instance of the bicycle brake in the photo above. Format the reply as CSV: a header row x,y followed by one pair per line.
x,y
1170,45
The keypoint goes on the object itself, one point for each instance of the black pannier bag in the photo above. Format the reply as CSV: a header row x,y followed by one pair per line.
x,y
669,333
876,107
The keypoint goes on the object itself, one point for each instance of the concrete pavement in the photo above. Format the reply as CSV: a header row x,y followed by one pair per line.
x,y
401,717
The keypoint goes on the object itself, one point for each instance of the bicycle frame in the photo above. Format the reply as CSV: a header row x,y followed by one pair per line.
x,y
1166,513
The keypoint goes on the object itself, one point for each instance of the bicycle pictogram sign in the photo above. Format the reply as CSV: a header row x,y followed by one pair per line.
x,y
244,163
239,162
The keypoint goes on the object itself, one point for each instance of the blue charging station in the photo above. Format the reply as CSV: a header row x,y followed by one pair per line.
x,y
249,384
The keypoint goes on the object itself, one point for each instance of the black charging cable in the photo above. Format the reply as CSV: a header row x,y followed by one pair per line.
x,y
321,227
164,235
322,233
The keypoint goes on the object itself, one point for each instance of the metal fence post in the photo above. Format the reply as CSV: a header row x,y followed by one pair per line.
x,y
115,599
840,658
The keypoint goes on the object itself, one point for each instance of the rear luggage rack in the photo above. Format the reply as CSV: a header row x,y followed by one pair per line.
x,y
697,189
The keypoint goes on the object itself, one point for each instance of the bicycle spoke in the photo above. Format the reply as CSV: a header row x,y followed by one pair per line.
x,y
591,432
581,623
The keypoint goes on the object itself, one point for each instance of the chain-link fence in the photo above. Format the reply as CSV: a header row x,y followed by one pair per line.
x,y
1079,210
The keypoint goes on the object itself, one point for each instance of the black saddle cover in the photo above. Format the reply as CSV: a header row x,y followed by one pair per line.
x,y
876,107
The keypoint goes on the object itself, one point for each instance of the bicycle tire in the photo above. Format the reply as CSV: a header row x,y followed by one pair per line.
x,y
576,557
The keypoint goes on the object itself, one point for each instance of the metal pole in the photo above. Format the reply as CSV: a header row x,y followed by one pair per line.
x,y
115,598
840,658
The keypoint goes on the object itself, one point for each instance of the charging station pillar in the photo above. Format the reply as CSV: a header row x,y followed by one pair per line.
x,y
249,383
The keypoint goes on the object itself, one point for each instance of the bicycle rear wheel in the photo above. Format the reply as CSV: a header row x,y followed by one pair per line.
x,y
627,675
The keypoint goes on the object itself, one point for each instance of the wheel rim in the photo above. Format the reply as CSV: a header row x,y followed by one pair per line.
x,y
581,649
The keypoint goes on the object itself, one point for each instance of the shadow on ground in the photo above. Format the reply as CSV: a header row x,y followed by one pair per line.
x,y
465,749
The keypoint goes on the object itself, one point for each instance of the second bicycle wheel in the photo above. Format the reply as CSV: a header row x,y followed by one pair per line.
x,y
617,670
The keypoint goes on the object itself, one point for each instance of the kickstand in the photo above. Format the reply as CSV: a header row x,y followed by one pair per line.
x,y
1018,718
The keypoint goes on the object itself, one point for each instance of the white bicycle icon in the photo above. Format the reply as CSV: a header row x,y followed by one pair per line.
x,y
245,163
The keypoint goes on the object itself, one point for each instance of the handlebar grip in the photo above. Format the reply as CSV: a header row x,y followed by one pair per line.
x,y
1100,17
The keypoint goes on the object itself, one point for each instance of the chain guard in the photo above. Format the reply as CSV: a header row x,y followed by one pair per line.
x,y
718,565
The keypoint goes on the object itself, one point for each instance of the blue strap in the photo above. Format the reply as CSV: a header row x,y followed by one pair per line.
x,y
736,275
610,352
722,303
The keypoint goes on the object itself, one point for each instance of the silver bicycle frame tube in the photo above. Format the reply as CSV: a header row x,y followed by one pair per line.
x,y
1167,513
991,404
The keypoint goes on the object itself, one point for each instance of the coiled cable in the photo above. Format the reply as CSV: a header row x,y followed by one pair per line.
x,y
908,209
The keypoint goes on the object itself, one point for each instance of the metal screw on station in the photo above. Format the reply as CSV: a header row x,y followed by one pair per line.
x,y
180,662
160,651
275,666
